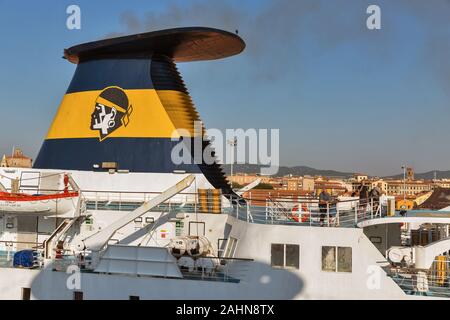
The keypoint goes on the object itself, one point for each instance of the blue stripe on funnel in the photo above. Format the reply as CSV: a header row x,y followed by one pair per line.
x,y
134,154
99,74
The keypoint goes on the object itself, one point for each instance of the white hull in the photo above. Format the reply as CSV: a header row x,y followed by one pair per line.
x,y
258,279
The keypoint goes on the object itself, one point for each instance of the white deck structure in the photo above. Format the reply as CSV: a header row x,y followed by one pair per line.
x,y
246,237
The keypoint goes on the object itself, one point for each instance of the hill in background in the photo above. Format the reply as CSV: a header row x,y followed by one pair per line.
x,y
427,175
304,171
283,171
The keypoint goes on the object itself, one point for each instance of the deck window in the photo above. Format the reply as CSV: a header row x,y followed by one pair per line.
x,y
292,255
78,295
26,293
285,255
337,259
344,261
329,259
277,259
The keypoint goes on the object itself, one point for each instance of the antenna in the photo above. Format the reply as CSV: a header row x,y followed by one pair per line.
x,y
233,143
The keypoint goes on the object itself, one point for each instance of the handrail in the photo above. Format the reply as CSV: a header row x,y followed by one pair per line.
x,y
285,199
338,214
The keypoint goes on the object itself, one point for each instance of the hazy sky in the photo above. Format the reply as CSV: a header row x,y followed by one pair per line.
x,y
343,97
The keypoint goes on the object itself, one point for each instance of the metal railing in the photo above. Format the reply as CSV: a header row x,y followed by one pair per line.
x,y
297,211
233,270
309,212
6,258
434,282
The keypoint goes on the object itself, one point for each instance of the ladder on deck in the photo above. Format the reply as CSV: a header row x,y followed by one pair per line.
x,y
57,234
98,240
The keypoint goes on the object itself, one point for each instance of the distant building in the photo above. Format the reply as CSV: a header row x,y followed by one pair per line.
x,y
16,160
355,185
246,178
3,162
242,179
409,187
442,183
380,183
359,177
339,186
308,183
333,188
410,173
293,184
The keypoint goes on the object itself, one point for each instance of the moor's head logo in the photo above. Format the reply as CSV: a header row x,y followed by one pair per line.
x,y
112,111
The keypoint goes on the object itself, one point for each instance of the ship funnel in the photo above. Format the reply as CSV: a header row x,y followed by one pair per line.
x,y
126,100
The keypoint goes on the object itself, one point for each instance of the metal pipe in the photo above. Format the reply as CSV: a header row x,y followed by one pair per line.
x,y
328,214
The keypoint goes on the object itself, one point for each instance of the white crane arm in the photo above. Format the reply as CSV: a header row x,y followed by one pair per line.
x,y
98,240
249,187
425,256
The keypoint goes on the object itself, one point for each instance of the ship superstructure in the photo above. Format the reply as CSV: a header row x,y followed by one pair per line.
x,y
106,214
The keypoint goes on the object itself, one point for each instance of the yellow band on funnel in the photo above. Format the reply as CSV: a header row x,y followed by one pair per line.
x,y
149,119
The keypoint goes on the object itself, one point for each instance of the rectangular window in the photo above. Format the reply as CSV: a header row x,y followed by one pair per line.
x,y
293,255
26,293
138,223
134,298
285,255
78,295
337,259
277,258
150,220
329,259
376,240
344,259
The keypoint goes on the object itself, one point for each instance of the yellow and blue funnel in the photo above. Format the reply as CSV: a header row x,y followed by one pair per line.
x,y
127,99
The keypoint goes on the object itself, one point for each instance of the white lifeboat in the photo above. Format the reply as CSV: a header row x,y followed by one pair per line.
x,y
43,204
